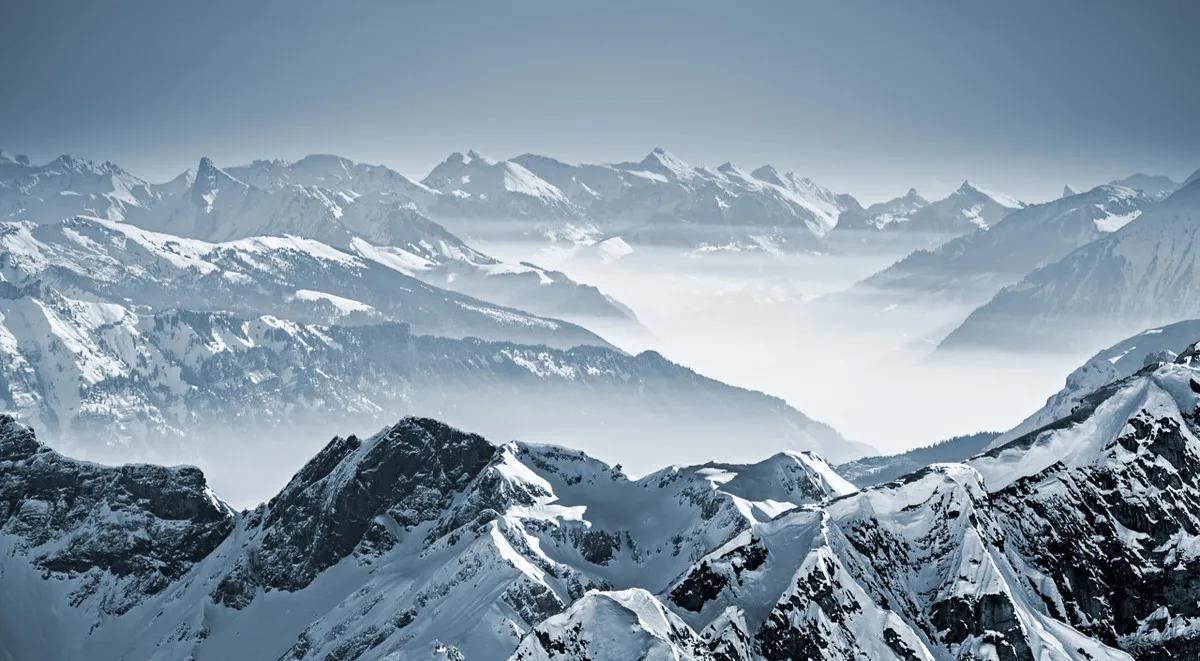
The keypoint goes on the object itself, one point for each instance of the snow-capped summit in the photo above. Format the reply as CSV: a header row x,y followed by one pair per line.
x,y
663,162
909,218
1068,191
477,186
209,181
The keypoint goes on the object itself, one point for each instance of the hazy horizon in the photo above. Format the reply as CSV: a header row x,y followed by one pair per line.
x,y
869,100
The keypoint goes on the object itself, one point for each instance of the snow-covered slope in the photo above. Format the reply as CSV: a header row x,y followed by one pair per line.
x,y
659,200
1148,348
370,208
1142,275
970,270
881,214
663,200
288,277
475,186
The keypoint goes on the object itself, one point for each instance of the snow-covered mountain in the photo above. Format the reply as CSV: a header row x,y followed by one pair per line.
x,y
369,210
68,186
159,385
659,200
1074,542
881,214
475,186
911,222
1139,276
288,277
1146,349
972,268
420,540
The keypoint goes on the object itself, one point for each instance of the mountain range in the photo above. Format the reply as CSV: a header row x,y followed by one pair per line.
x,y
1142,274
970,269
1074,541
370,211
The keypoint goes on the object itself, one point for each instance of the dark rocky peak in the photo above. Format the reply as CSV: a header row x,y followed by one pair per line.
x,y
357,492
146,525
17,441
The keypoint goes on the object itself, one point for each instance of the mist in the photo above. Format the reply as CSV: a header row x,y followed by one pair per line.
x,y
758,320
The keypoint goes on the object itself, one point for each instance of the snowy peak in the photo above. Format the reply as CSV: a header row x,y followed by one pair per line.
x,y
664,162
1068,191
971,189
769,174
209,181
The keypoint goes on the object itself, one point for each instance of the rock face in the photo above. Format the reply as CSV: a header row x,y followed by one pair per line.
x,y
1074,541
123,534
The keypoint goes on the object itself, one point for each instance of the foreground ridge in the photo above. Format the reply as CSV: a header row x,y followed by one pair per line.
x,y
1073,541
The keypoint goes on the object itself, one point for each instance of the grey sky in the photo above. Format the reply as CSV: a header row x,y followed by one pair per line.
x,y
865,97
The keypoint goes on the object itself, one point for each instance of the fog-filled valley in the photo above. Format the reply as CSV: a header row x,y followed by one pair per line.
x,y
764,321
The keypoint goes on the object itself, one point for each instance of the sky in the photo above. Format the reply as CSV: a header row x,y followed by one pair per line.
x,y
864,97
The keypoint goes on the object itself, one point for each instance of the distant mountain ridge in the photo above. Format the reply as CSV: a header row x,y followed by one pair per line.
x,y
369,210
1139,276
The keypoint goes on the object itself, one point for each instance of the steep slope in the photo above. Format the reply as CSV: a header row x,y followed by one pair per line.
x,y
287,277
1142,275
1147,348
